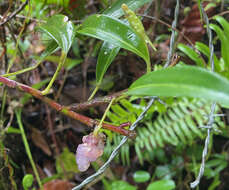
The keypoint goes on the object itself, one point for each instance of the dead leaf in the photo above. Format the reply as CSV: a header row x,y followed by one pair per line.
x,y
192,26
58,185
40,141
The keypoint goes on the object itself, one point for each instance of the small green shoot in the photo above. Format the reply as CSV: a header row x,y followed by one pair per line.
x,y
27,181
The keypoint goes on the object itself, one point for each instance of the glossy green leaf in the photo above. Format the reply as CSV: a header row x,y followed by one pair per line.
x,y
141,176
122,185
116,33
106,56
162,185
104,60
116,11
179,81
60,29
27,181
51,47
224,42
191,54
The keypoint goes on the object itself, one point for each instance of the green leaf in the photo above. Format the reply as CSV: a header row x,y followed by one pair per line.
x,y
27,181
162,185
205,50
51,48
163,172
66,162
141,176
106,56
224,23
60,29
13,130
224,42
116,33
191,54
183,81
104,61
215,183
116,11
122,185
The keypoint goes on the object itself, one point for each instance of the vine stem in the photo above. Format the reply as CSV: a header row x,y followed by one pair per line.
x,y
22,70
148,66
26,144
64,109
94,92
98,127
60,64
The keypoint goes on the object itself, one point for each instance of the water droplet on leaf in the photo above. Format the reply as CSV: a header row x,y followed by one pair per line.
x,y
65,19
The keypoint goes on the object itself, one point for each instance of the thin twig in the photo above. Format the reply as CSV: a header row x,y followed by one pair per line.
x,y
8,9
50,128
97,101
4,64
22,6
222,5
220,14
211,115
8,25
26,17
169,26
175,29
30,18
3,42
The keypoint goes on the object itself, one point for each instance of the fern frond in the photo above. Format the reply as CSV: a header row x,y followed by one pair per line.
x,y
180,124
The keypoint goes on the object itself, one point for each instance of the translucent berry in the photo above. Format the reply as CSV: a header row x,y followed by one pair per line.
x,y
90,150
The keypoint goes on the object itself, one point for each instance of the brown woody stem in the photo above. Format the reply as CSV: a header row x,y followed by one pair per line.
x,y
97,101
64,109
